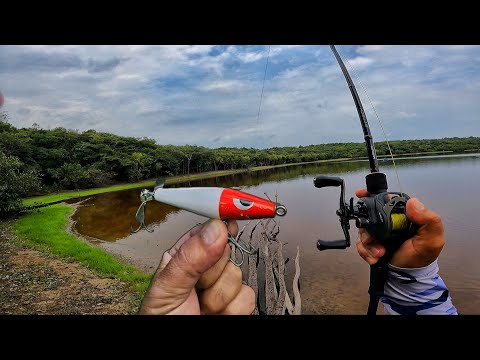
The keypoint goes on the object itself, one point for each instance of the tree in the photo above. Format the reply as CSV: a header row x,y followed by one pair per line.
x,y
15,183
188,153
70,175
4,123
139,165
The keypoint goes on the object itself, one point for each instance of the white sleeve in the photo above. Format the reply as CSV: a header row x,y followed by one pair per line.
x,y
416,291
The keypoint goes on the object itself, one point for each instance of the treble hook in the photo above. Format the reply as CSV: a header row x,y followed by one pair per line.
x,y
145,196
239,244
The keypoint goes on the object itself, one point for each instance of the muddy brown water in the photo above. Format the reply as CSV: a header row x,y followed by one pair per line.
x,y
335,281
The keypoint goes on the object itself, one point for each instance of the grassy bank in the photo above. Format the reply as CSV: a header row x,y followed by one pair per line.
x,y
46,199
52,198
44,230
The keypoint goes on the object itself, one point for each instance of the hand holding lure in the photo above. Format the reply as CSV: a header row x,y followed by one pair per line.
x,y
213,202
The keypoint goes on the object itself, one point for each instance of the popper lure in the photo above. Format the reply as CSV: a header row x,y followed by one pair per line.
x,y
213,202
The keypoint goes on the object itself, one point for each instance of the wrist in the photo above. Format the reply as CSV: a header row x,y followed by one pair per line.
x,y
416,291
412,261
427,271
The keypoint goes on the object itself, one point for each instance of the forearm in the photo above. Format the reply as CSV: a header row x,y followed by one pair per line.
x,y
419,291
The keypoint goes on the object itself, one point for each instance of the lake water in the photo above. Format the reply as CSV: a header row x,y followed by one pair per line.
x,y
335,281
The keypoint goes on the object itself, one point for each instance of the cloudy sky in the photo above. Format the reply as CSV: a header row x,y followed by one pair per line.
x,y
210,95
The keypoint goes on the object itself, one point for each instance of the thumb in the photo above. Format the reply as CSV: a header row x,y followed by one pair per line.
x,y
430,231
173,284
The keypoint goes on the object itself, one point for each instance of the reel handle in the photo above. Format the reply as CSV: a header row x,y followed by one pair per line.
x,y
331,244
324,181
343,212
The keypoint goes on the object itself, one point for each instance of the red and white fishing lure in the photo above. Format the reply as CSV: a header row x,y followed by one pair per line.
x,y
219,203
215,203
211,202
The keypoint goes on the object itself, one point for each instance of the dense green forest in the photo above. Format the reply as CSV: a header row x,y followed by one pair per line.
x,y
69,159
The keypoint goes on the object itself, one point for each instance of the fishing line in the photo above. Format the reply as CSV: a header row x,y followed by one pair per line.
x,y
263,87
381,125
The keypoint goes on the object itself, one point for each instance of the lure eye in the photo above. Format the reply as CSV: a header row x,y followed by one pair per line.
x,y
243,204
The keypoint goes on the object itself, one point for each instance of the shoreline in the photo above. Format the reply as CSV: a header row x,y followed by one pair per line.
x,y
51,199
55,198
106,246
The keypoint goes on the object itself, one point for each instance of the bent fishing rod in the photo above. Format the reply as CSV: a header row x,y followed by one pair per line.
x,y
382,213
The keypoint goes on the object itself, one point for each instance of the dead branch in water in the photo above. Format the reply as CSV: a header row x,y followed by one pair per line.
x,y
270,288
270,251
296,286
253,260
282,293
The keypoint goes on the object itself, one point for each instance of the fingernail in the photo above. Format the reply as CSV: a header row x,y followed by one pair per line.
x,y
211,232
419,205
374,251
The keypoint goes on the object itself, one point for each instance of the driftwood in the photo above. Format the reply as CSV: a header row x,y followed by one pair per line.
x,y
297,310
270,287
253,260
282,292
270,257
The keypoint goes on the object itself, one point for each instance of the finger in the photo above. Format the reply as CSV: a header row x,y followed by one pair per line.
x,y
210,276
364,193
364,253
216,298
361,193
193,231
431,232
243,303
173,285
365,237
368,249
373,247
420,215
167,256
232,227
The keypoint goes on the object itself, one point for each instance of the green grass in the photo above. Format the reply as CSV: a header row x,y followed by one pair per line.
x,y
51,198
45,199
44,230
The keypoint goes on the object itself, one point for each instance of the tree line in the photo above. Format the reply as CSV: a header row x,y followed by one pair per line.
x,y
70,159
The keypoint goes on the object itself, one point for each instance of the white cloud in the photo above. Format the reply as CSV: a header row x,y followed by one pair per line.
x,y
223,85
360,62
209,96
406,115
251,56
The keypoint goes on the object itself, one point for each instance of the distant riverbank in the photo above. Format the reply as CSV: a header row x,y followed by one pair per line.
x,y
65,195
